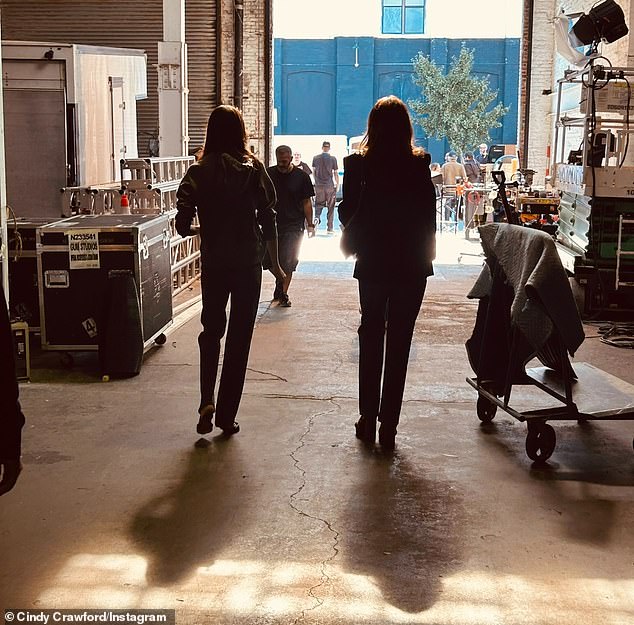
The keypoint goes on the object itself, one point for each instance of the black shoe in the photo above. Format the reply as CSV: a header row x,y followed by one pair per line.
x,y
387,436
365,430
230,430
205,419
284,301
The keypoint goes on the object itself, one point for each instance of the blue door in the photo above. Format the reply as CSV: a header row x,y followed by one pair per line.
x,y
310,103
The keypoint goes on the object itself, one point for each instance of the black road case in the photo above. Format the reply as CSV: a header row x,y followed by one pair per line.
x,y
24,299
75,259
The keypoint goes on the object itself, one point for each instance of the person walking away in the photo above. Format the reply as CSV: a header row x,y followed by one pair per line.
x,y
474,201
11,417
326,174
294,210
389,182
453,172
233,197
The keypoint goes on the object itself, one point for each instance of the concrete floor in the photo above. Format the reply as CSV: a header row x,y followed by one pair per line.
x,y
122,505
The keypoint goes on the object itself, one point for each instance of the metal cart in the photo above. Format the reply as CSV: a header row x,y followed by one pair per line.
x,y
585,394
498,351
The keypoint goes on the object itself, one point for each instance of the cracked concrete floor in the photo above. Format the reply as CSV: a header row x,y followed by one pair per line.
x,y
122,505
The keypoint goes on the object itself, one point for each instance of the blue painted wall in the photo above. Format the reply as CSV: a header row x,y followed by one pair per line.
x,y
318,89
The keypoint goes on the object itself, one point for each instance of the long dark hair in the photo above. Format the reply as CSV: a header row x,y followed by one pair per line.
x,y
390,131
226,133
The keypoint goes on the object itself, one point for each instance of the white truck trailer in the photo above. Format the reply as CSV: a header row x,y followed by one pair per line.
x,y
69,116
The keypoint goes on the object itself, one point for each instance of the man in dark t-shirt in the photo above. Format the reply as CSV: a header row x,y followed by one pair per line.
x,y
326,172
294,212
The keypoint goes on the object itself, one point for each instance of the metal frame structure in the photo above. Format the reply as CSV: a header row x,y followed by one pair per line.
x,y
151,185
604,114
595,177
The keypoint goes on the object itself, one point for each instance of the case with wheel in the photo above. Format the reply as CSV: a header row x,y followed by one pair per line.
x,y
77,259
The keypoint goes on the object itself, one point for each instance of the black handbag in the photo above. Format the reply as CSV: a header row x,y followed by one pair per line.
x,y
354,232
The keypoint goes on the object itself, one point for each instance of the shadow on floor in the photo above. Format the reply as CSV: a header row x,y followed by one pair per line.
x,y
404,531
188,525
586,459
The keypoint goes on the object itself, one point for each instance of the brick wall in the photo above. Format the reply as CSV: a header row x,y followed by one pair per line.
x,y
226,82
253,59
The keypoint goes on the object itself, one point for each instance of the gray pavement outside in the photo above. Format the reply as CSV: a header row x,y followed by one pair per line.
x,y
122,505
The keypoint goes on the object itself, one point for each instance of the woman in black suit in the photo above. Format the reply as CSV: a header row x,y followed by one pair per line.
x,y
389,183
233,196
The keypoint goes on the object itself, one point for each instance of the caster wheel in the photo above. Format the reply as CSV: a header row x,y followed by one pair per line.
x,y
540,442
486,409
66,359
161,339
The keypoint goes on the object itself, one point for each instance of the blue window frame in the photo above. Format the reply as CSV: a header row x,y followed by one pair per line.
x,y
403,17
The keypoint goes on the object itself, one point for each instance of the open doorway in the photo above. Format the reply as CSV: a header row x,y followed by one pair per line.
x,y
333,60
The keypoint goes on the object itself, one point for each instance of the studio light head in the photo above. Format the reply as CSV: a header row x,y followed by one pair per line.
x,y
605,21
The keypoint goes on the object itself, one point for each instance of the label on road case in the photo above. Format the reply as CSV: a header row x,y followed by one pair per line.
x,y
83,249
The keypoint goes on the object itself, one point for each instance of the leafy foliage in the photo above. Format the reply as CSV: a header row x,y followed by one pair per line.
x,y
455,105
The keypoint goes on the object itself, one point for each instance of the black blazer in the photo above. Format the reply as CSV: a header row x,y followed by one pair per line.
x,y
234,201
399,203
11,417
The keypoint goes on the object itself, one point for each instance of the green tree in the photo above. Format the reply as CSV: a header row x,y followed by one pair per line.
x,y
455,105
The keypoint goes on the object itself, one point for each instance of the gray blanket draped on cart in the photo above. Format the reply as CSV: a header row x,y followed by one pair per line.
x,y
542,295
526,307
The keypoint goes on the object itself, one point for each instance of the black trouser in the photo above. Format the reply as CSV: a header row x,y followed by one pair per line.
x,y
243,285
11,417
390,309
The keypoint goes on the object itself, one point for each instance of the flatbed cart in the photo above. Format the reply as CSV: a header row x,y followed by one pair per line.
x,y
594,396
544,324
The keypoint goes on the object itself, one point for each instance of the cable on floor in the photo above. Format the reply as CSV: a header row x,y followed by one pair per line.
x,y
615,334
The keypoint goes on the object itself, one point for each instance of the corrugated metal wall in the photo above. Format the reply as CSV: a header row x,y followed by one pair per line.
x,y
137,24
200,34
